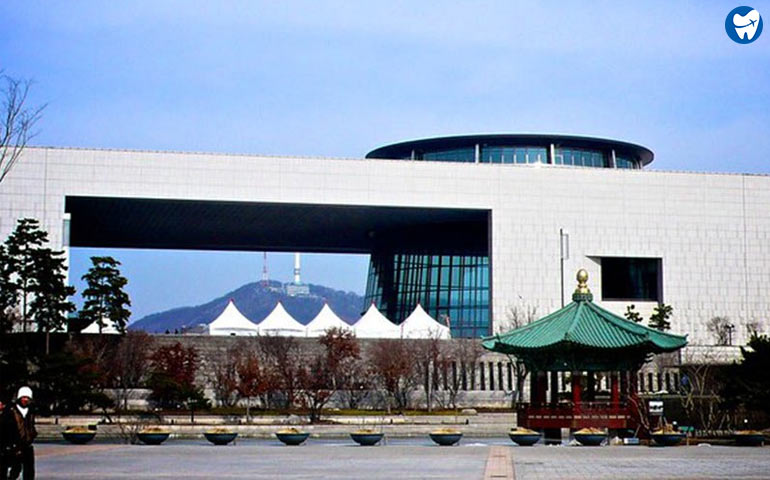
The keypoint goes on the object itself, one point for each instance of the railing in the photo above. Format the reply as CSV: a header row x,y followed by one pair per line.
x,y
571,415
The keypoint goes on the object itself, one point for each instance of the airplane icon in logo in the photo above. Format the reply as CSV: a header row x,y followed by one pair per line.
x,y
746,25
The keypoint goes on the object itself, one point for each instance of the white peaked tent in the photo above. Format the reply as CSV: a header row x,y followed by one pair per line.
x,y
109,327
374,325
280,323
325,320
232,322
421,325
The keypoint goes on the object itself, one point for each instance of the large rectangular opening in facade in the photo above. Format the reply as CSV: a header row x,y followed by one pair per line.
x,y
450,245
629,278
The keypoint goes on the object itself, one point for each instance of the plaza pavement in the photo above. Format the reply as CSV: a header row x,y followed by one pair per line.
x,y
399,459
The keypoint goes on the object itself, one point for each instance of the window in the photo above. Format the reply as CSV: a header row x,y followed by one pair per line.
x,y
579,157
621,162
457,155
632,279
501,154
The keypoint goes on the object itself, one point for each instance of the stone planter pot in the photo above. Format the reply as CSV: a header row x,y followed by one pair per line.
x,y
292,438
667,439
78,438
220,438
153,438
590,439
367,439
446,439
524,439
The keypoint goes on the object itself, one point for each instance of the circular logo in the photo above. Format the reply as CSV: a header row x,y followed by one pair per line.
x,y
743,24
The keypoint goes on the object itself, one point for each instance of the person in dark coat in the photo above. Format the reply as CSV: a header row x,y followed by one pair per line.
x,y
17,432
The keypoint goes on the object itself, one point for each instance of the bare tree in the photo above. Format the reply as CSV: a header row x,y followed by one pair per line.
x,y
224,375
517,317
720,328
254,380
282,359
357,378
753,328
701,387
130,364
428,354
321,377
393,363
17,123
457,362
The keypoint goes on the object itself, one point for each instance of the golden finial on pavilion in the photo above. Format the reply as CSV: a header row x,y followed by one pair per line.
x,y
582,278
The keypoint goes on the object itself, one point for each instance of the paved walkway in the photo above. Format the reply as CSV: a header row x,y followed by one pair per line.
x,y
400,459
597,463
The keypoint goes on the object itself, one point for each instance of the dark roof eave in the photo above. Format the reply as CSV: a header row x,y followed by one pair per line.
x,y
649,346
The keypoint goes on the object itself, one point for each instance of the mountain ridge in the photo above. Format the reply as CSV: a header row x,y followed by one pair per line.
x,y
256,300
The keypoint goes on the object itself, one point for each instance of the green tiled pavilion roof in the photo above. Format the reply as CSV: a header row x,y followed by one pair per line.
x,y
583,326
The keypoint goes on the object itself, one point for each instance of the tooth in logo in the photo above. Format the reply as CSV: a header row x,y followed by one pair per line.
x,y
743,24
746,25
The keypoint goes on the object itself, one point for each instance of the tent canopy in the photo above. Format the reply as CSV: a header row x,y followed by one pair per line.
x,y
421,325
280,323
325,320
109,327
373,324
232,322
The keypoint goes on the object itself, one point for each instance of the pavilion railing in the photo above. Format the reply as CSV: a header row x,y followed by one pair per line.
x,y
570,415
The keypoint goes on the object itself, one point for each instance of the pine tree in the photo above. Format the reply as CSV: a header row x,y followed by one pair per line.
x,y
660,316
748,381
104,296
21,247
8,294
50,306
632,315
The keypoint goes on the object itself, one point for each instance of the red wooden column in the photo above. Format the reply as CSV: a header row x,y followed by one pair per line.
x,y
576,377
615,388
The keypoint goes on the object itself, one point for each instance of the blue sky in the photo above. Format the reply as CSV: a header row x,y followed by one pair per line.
x,y
340,78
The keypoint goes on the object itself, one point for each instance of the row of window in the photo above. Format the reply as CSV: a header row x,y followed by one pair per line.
x,y
513,155
580,158
504,154
458,155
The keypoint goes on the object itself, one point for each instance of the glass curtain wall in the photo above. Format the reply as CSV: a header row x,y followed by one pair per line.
x,y
579,157
458,155
500,154
453,289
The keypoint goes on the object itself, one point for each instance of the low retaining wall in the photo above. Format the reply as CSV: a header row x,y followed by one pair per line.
x,y
334,426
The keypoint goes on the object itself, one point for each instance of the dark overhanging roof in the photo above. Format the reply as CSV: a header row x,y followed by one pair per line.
x,y
254,226
404,149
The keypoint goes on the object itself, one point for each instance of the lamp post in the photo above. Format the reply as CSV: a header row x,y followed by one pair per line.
x,y
730,327
563,255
